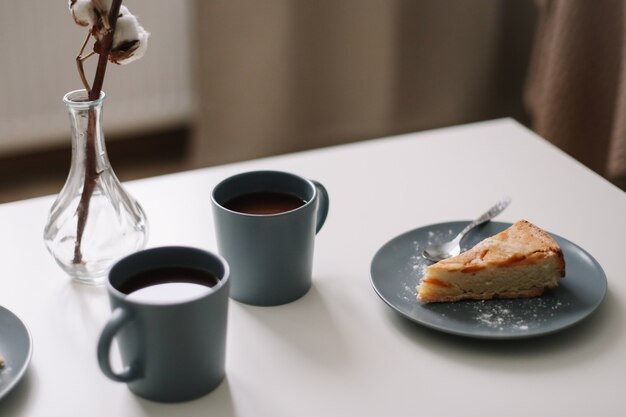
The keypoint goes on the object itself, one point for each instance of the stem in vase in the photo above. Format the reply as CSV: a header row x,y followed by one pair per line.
x,y
91,178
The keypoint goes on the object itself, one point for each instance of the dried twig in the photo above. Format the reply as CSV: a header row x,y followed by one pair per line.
x,y
91,173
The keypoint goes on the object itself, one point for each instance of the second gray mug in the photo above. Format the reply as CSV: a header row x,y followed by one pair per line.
x,y
266,222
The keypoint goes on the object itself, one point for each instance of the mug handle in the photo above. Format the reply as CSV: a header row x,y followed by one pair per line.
x,y
322,207
119,318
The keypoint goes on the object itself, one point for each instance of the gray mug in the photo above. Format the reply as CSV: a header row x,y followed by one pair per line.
x,y
169,322
268,242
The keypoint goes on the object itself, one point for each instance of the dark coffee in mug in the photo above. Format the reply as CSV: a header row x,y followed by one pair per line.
x,y
264,203
173,284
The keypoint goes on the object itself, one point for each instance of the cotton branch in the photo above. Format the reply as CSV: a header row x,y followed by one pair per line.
x,y
119,45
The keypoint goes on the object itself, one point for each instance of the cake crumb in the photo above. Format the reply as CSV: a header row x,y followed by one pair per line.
x,y
1,361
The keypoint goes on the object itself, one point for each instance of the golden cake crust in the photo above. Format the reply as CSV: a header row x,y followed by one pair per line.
x,y
522,242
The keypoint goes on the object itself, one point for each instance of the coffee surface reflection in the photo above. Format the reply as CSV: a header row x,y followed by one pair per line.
x,y
264,203
169,285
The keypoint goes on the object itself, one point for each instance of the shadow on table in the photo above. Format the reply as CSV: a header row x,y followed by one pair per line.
x,y
581,342
218,402
313,313
14,402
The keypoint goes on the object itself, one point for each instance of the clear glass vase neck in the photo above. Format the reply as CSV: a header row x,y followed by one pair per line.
x,y
88,145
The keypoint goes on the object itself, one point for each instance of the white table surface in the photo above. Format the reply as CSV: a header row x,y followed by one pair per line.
x,y
340,351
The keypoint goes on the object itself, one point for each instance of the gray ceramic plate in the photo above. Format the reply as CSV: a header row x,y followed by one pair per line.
x,y
398,266
16,346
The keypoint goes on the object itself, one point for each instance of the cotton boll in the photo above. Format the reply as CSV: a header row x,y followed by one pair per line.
x,y
83,12
127,27
90,12
137,51
130,40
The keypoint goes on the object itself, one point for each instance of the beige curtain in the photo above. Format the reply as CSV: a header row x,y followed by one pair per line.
x,y
277,76
576,91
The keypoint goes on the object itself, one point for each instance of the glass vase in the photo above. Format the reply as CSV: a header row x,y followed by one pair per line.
x,y
93,222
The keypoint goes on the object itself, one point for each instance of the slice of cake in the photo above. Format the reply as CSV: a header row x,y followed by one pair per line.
x,y
521,261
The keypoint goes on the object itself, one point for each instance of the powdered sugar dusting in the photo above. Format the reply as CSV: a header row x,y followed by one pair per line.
x,y
499,317
418,264
433,238
516,315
